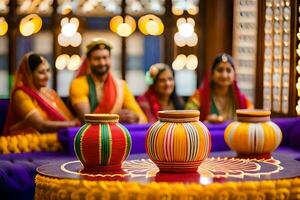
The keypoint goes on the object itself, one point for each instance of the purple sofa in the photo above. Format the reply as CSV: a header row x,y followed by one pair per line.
x,y
17,171
289,126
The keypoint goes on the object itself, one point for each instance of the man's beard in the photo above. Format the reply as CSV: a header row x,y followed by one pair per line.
x,y
99,71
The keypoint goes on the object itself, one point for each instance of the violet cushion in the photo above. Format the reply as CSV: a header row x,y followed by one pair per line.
x,y
17,171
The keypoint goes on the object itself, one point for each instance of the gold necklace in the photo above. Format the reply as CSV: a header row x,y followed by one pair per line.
x,y
224,108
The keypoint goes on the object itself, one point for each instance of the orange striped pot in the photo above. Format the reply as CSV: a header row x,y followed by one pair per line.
x,y
178,142
102,144
253,135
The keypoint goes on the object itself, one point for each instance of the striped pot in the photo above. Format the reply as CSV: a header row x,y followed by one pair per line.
x,y
178,142
102,144
253,135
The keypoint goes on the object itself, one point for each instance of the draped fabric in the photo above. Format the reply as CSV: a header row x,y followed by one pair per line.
x,y
109,90
240,99
202,99
150,104
48,102
109,96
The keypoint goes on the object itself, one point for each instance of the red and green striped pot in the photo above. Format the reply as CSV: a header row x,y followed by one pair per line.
x,y
102,144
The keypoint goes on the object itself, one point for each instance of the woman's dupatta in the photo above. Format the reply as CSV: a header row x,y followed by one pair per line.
x,y
50,110
153,101
205,97
23,81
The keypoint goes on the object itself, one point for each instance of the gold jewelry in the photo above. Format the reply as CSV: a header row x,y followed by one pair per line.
x,y
224,58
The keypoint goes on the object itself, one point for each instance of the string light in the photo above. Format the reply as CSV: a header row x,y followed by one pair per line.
x,y
30,24
3,26
124,27
150,25
69,34
65,61
181,61
185,34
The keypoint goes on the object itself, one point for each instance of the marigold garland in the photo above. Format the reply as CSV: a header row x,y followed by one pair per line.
x,y
51,188
29,143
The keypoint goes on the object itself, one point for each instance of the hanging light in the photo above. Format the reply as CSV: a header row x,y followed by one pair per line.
x,y
25,5
63,40
192,62
69,28
75,41
30,24
65,8
62,61
185,34
3,26
74,62
193,10
114,23
123,26
185,27
193,40
179,7
179,62
136,6
151,25
124,30
69,34
179,40
4,8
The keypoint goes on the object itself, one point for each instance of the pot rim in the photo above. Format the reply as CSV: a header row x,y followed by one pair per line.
x,y
179,115
101,118
253,115
253,112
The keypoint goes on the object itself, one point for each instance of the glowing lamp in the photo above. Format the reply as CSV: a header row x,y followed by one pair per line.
x,y
193,10
76,40
63,40
3,26
177,11
298,35
298,69
179,62
62,61
298,52
191,62
179,40
30,24
74,62
150,25
124,30
122,26
114,23
186,29
69,29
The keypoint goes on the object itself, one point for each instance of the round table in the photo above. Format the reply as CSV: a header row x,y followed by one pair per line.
x,y
219,176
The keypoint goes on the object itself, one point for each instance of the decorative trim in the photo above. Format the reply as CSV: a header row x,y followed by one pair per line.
x,y
70,189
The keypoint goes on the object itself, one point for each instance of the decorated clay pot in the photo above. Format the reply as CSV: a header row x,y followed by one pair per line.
x,y
178,142
253,135
102,143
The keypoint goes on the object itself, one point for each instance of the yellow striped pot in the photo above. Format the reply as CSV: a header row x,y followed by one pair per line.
x,y
178,142
102,144
253,135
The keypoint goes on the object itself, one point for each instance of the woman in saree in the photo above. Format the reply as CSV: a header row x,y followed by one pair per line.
x,y
161,94
35,108
219,96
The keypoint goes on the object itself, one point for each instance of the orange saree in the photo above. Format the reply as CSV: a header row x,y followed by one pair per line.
x,y
25,100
